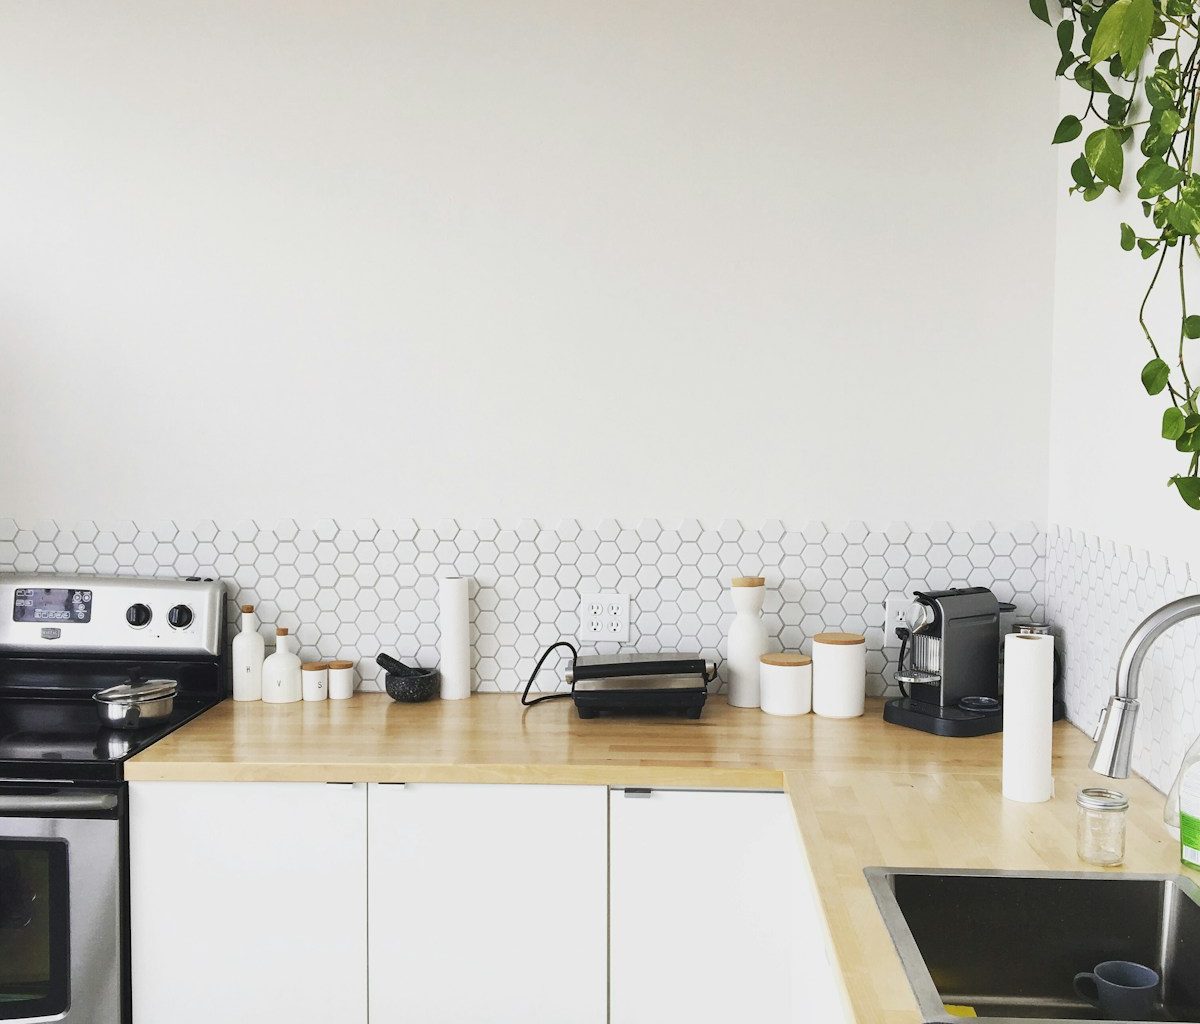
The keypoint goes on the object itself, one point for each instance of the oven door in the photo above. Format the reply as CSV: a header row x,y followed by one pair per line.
x,y
60,905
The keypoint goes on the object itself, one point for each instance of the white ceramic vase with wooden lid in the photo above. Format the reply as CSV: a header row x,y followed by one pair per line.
x,y
281,672
839,666
747,640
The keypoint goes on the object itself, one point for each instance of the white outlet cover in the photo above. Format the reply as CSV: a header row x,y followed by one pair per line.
x,y
604,617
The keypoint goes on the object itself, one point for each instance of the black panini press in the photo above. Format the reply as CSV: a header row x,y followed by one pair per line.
x,y
640,684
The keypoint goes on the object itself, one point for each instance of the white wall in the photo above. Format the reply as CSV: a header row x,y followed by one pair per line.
x,y
428,257
1108,464
1120,541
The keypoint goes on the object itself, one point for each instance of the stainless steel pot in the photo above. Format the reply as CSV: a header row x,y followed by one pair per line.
x,y
136,705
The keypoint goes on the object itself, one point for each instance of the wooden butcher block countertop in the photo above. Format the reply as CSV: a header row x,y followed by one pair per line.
x,y
865,793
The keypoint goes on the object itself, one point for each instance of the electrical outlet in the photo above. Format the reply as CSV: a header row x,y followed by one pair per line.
x,y
893,618
604,617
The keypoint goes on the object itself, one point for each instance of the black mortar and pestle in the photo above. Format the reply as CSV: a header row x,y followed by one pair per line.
x,y
407,684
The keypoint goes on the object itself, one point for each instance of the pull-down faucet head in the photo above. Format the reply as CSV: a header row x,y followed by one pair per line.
x,y
1114,731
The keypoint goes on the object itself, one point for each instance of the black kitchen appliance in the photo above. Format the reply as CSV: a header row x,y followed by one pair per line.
x,y
64,915
605,684
951,679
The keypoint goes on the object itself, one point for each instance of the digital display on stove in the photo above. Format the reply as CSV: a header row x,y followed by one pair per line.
x,y
52,604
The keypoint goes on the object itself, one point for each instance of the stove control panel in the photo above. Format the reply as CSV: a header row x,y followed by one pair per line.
x,y
97,614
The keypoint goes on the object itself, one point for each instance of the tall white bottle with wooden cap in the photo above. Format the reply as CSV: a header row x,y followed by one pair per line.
x,y
281,672
249,648
747,640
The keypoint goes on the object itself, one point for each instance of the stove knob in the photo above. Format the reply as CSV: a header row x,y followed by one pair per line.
x,y
180,617
137,615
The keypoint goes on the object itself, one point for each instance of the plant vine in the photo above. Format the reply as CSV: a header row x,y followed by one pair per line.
x,y
1138,62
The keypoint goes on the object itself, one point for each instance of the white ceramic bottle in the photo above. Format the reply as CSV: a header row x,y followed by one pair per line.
x,y
248,651
747,640
281,672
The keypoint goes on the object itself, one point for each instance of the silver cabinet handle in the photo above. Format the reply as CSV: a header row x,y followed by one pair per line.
x,y
636,793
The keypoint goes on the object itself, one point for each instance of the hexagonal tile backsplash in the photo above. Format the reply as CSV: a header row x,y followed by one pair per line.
x,y
1097,592
355,588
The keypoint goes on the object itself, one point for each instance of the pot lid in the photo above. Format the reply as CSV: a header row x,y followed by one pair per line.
x,y
135,693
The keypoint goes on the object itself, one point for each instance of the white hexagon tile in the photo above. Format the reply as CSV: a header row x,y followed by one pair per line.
x,y
1096,594
354,588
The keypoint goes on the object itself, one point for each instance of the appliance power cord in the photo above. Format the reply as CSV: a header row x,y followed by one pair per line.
x,y
903,634
538,667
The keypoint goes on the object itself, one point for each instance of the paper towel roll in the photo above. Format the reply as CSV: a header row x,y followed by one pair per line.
x,y
454,648
1028,717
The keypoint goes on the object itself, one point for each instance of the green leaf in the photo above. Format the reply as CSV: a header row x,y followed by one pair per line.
x,y
1125,31
1156,177
1081,173
1039,10
1064,65
1156,143
1159,91
1191,327
1155,375
1091,80
1172,424
1147,248
1102,149
1167,121
1189,489
1065,33
1128,238
1093,192
1184,217
1118,107
1069,128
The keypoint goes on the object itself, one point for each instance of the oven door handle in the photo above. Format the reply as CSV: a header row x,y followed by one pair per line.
x,y
57,804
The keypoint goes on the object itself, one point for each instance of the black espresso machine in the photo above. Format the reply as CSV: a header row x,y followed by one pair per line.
x,y
950,664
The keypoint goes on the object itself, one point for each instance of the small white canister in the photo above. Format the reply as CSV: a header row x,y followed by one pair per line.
x,y
839,667
785,683
314,680
341,680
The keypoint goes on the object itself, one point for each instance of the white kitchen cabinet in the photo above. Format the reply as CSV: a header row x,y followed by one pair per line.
x,y
249,902
712,916
488,903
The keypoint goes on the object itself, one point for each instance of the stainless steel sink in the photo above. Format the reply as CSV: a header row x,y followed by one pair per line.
x,y
1009,944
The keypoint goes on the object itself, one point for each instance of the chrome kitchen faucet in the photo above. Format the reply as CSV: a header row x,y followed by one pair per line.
x,y
1114,731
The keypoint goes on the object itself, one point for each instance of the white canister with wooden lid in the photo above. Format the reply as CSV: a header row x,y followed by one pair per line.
x,y
314,680
341,680
839,667
785,683
747,640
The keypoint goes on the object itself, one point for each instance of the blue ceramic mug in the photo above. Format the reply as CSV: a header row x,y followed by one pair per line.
x,y
1120,988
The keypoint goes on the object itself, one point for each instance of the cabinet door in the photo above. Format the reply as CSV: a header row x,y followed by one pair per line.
x,y
249,902
488,903
711,912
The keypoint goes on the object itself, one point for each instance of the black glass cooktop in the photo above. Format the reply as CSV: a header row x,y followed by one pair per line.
x,y
56,737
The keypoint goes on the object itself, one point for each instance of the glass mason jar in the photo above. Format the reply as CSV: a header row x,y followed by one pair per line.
x,y
1100,826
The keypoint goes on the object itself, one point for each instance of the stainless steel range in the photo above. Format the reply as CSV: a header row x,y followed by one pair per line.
x,y
64,915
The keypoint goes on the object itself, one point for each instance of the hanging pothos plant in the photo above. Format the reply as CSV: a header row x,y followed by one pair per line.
x,y
1137,63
